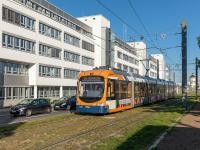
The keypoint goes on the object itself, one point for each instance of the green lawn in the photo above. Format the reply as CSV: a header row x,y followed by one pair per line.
x,y
141,128
142,135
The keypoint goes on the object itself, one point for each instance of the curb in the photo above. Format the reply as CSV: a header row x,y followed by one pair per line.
x,y
155,144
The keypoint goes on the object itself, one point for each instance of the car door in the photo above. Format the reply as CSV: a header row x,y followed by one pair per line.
x,y
35,106
43,105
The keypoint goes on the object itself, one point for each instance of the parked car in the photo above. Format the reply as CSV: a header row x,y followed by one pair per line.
x,y
66,104
58,100
31,106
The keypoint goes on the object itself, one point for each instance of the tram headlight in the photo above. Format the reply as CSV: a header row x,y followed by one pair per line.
x,y
101,104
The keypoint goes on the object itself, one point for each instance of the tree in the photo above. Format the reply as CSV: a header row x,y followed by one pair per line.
x,y
198,41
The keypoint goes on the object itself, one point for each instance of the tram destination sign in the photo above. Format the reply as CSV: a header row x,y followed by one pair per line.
x,y
91,79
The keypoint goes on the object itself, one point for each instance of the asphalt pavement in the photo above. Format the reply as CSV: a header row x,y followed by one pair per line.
x,y
6,118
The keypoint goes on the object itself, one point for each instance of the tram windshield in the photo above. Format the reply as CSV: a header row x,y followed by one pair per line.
x,y
91,88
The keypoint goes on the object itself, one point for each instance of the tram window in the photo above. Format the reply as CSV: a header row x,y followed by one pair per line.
x,y
117,93
129,90
142,92
136,89
123,89
111,89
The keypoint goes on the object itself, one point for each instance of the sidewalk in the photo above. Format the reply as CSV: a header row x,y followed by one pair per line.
x,y
186,134
4,111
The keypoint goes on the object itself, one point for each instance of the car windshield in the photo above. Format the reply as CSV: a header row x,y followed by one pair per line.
x,y
91,88
26,101
62,99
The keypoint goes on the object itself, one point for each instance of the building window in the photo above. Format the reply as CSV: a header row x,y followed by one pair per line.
x,y
125,68
9,41
47,71
18,19
87,61
119,66
1,67
4,41
48,91
88,46
23,21
55,14
1,92
15,68
119,55
71,73
23,47
49,31
136,71
49,51
125,57
69,56
137,62
131,60
131,70
69,39
17,43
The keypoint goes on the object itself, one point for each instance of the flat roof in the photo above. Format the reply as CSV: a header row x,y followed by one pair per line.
x,y
62,13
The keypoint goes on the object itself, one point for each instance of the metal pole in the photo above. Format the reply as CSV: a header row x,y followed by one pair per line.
x,y
158,69
196,76
174,76
184,62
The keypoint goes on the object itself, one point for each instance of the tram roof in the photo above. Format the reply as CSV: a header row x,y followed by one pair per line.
x,y
107,71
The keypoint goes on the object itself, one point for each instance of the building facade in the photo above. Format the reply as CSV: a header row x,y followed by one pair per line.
x,y
162,66
153,67
43,50
112,51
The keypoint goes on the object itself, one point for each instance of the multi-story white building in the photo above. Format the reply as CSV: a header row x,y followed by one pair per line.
x,y
100,29
141,51
153,69
111,51
42,51
167,73
162,67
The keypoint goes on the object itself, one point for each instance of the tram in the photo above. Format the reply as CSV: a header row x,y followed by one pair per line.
x,y
108,90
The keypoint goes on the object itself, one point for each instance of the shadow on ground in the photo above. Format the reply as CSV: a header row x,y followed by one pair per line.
x,y
171,106
179,138
8,130
142,137
183,136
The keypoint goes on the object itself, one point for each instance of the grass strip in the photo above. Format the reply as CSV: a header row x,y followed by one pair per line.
x,y
144,134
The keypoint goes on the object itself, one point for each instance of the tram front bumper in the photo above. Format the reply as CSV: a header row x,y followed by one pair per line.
x,y
92,109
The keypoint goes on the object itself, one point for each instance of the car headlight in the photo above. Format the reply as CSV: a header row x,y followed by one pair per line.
x,y
22,109
63,104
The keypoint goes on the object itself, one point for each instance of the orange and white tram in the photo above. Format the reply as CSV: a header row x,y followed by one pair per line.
x,y
102,91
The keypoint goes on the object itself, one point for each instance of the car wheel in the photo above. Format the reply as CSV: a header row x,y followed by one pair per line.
x,y
68,107
48,110
28,113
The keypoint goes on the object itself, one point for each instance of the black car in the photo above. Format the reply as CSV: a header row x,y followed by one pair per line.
x,y
66,104
31,106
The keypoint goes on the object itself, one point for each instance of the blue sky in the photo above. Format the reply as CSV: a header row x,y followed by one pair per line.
x,y
159,16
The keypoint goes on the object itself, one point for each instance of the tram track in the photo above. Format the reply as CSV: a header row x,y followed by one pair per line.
x,y
102,127
120,124
80,128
